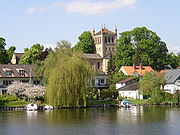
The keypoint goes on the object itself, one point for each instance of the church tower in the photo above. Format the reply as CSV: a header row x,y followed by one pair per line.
x,y
105,41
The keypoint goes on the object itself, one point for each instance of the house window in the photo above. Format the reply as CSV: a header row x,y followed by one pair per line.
x,y
7,82
22,73
101,81
8,73
4,91
112,39
24,81
105,39
36,82
109,39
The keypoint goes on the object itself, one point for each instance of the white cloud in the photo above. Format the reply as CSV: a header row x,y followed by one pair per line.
x,y
32,10
173,48
86,6
49,45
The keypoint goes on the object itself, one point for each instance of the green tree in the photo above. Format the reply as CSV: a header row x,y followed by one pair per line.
x,y
152,84
67,74
141,46
86,43
173,60
3,54
10,51
111,69
30,55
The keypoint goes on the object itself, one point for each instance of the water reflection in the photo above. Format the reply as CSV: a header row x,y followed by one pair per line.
x,y
134,121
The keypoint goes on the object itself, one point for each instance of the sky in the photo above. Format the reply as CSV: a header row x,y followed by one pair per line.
x,y
27,22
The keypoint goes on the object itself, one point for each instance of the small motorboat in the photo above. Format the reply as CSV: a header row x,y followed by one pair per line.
x,y
125,103
48,107
31,107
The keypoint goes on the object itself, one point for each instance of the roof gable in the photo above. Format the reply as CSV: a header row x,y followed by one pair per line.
x,y
172,75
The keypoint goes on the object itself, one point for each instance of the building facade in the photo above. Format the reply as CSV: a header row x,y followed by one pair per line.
x,y
104,42
23,73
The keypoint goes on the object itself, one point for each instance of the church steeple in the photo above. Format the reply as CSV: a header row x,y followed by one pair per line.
x,y
115,29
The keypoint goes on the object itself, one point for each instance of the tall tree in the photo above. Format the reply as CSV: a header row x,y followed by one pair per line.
x,y
67,74
10,51
30,55
86,43
111,69
3,54
141,46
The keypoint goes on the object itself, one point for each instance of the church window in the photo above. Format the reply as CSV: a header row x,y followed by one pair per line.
x,y
105,39
113,49
98,65
112,39
106,48
109,40
100,40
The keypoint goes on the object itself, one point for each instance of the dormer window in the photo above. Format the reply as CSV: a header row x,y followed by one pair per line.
x,y
21,72
8,72
135,73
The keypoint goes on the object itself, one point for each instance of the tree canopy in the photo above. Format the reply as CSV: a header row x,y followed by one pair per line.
x,y
141,46
30,55
67,74
86,43
152,83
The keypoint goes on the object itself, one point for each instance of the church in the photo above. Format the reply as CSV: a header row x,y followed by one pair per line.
x,y
105,42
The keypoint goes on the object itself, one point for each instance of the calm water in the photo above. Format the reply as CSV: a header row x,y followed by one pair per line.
x,y
97,121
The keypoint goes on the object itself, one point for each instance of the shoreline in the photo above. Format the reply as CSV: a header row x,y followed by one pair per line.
x,y
91,106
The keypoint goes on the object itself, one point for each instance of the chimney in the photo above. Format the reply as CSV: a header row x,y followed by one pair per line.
x,y
140,66
134,66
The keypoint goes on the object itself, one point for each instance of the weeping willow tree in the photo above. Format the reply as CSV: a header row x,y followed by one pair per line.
x,y
67,74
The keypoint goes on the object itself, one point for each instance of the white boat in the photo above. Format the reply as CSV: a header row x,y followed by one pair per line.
x,y
48,107
125,103
31,107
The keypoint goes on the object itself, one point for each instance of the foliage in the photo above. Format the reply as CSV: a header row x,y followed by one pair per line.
x,y
86,43
10,52
30,55
3,54
111,69
173,60
151,84
18,88
8,98
35,91
25,89
67,74
139,101
43,54
141,46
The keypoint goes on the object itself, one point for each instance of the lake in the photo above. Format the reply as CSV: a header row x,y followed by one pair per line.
x,y
148,120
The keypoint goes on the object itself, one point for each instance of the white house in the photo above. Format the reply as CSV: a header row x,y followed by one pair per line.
x,y
172,81
129,88
12,72
130,91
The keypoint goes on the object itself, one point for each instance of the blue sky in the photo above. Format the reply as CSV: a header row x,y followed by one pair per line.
x,y
26,22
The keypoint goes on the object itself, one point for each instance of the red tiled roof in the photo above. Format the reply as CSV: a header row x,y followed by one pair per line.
x,y
139,69
104,31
